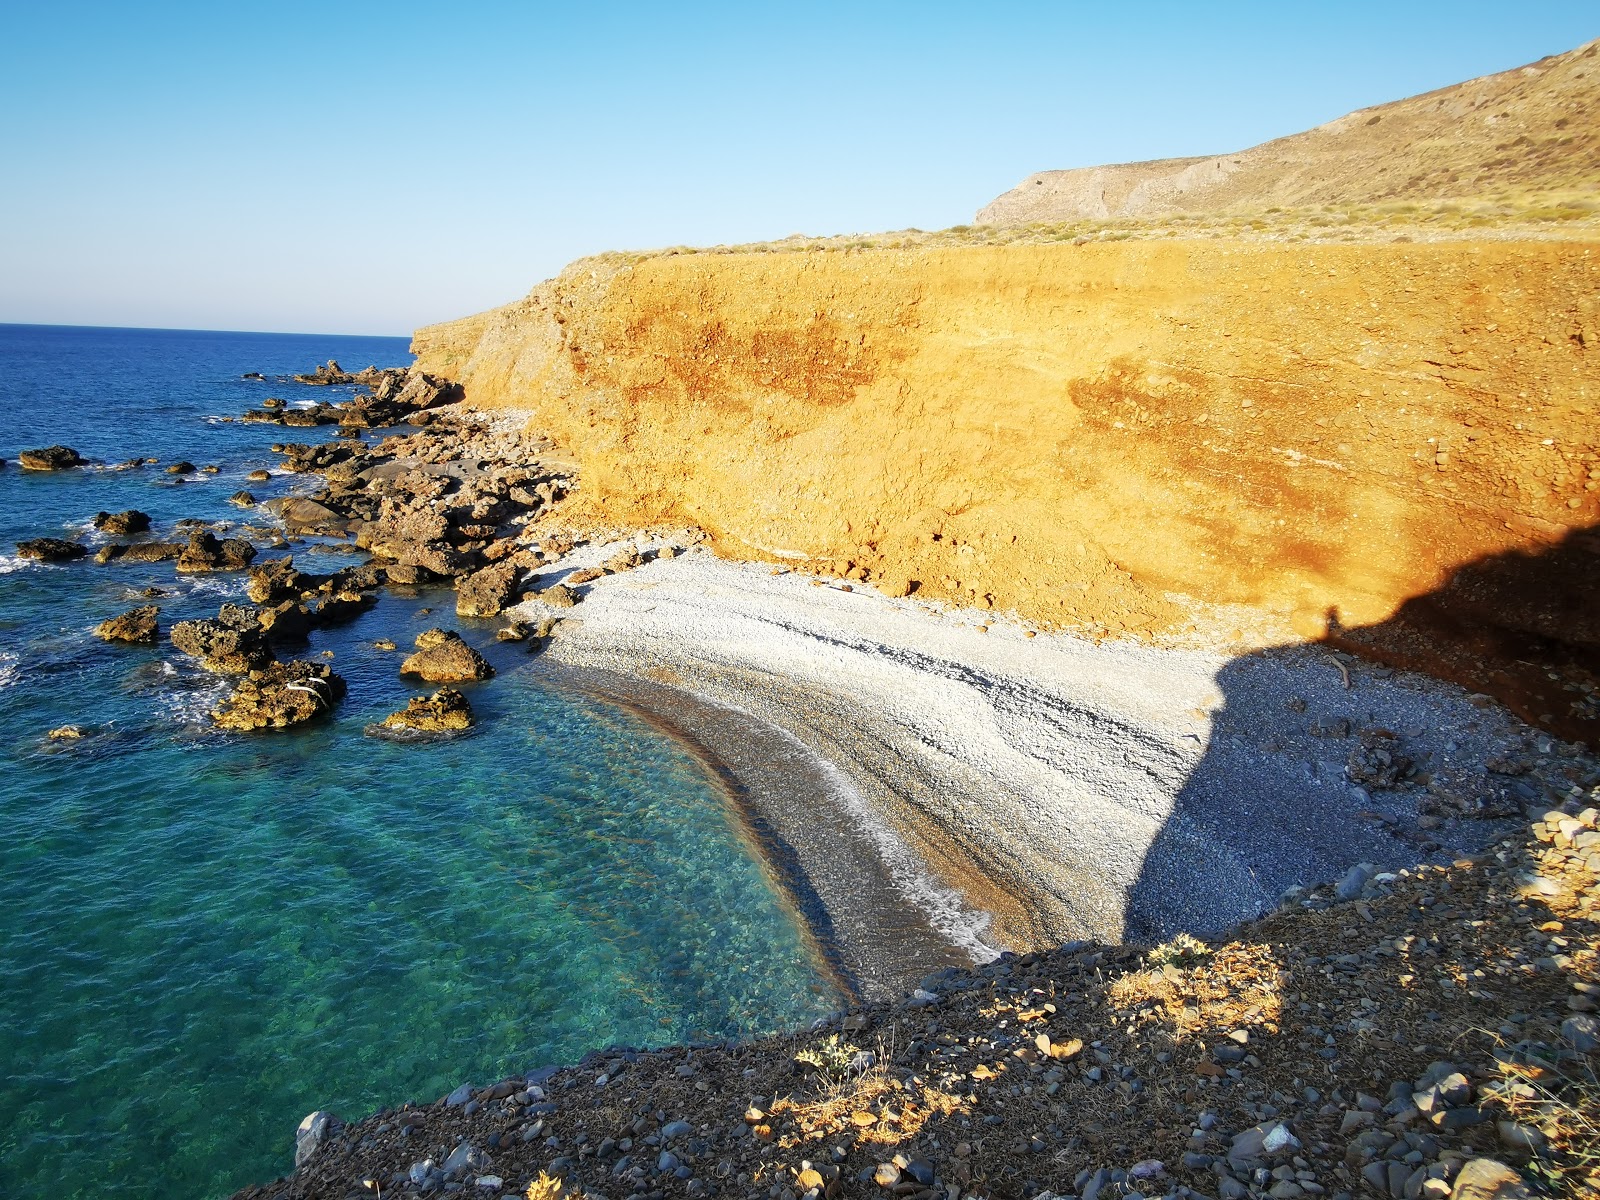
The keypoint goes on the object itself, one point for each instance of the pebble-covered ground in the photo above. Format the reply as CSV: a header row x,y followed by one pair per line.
x,y
1425,1033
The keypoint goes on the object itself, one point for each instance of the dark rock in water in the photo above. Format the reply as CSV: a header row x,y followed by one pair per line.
x,y
242,499
51,458
185,467
223,648
329,373
488,592
256,375
446,711
258,477
278,580
340,607
409,574
205,553
442,657
51,549
289,621
306,418
137,625
280,696
273,402
128,521
140,552
66,733
210,469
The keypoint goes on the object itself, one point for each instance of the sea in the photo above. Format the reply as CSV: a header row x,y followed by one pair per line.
x,y
205,936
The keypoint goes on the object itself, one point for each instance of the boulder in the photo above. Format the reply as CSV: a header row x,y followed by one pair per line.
x,y
66,733
442,657
51,549
258,477
136,625
314,1130
222,647
128,521
242,499
277,580
182,467
51,458
559,596
280,696
301,516
488,592
205,553
140,552
446,711
1487,1179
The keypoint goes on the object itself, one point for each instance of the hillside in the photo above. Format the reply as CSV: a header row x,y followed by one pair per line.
x,y
1533,129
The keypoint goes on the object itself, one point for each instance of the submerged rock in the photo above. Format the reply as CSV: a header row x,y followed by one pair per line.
x,y
50,458
137,625
446,711
51,549
128,521
280,696
66,733
442,657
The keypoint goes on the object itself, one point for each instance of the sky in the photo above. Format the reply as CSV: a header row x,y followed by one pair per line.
x,y
371,167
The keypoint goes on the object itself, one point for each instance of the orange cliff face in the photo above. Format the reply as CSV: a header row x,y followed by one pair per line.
x,y
1092,436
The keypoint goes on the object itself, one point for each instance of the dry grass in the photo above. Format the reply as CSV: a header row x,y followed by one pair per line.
x,y
1542,215
1562,1102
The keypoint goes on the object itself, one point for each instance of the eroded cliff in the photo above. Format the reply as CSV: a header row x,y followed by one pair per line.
x,y
1112,437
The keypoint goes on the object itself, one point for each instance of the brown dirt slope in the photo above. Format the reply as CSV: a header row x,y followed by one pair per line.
x,y
1532,129
1094,436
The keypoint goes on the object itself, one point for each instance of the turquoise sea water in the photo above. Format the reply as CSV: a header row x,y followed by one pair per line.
x,y
205,936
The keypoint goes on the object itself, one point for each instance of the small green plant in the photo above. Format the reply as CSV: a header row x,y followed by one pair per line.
x,y
1182,952
834,1058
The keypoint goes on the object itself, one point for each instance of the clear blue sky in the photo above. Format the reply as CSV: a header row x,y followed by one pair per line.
x,y
369,167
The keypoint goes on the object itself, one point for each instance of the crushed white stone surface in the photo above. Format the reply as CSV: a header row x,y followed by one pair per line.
x,y
1023,788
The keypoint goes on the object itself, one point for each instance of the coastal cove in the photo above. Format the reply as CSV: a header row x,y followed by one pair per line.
x,y
207,934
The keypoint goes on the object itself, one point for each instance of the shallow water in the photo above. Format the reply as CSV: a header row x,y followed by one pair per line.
x,y
203,937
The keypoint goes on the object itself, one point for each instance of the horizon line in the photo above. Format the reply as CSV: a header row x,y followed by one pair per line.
x,y
191,329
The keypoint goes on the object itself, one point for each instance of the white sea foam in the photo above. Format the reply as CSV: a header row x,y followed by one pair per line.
x,y
10,669
15,562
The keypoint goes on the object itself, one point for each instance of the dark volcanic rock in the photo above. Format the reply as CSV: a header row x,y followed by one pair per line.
x,y
205,553
136,625
128,521
222,647
51,458
279,696
51,549
446,711
442,657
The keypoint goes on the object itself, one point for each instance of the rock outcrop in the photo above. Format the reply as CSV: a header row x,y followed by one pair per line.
x,y
446,711
206,553
137,625
231,644
280,696
49,549
126,522
50,458
442,657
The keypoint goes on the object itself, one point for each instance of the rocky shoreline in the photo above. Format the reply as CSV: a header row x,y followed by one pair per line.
x,y
1062,853
1420,1033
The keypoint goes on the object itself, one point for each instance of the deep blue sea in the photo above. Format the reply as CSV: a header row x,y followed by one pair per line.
x,y
204,936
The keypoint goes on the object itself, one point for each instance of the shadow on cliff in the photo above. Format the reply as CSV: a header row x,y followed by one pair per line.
x,y
1291,789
